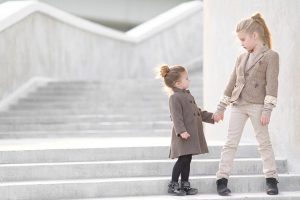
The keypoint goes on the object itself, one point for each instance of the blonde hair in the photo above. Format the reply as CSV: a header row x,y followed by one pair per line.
x,y
170,75
256,24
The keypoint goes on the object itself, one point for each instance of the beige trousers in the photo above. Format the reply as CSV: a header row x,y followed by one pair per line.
x,y
238,118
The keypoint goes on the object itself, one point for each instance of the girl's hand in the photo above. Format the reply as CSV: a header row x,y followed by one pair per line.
x,y
218,117
264,120
185,135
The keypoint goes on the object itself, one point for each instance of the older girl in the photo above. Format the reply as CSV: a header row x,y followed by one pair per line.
x,y
252,91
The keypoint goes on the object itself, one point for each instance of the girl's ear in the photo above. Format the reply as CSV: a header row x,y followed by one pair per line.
x,y
177,84
255,35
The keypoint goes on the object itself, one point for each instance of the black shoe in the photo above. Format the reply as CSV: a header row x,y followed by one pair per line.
x,y
175,189
272,188
186,186
222,187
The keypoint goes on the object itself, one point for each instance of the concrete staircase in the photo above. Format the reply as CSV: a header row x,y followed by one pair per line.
x,y
92,140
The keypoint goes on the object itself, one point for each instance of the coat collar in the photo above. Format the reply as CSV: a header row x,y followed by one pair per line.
x,y
180,90
256,58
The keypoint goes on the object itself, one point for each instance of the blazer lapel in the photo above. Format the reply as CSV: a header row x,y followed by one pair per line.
x,y
257,58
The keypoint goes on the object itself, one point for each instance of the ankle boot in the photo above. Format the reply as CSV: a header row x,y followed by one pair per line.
x,y
272,188
186,186
222,187
173,188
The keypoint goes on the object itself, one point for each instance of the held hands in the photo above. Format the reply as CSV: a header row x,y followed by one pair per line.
x,y
264,120
218,117
185,135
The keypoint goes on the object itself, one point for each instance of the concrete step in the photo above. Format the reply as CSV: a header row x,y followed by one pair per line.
x,y
121,169
81,118
235,196
85,133
145,125
98,92
116,84
117,90
141,186
95,111
49,150
92,103
94,98
98,106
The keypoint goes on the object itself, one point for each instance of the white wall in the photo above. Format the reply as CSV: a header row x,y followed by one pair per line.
x,y
221,49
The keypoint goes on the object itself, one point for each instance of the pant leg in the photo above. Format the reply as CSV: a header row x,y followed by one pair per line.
x,y
264,142
179,167
237,121
186,170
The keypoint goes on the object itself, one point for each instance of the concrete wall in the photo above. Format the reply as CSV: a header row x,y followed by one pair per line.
x,y
221,48
120,14
37,40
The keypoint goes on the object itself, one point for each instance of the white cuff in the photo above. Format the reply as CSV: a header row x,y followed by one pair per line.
x,y
225,99
271,100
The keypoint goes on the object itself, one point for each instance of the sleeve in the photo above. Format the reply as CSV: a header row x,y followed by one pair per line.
x,y
177,115
232,80
207,116
272,84
272,79
225,99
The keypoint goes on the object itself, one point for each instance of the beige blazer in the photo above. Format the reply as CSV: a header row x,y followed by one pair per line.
x,y
187,117
258,84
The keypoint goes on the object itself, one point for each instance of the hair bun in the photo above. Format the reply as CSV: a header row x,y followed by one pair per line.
x,y
164,70
256,16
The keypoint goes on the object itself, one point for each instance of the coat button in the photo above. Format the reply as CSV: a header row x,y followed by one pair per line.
x,y
194,114
191,101
198,114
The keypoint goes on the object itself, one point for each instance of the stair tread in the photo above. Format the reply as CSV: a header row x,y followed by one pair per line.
x,y
126,179
238,196
75,143
131,161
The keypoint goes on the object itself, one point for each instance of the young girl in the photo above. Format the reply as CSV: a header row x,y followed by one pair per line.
x,y
187,132
252,90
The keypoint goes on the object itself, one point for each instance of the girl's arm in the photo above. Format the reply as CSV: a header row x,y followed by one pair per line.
x,y
177,115
207,116
225,100
272,84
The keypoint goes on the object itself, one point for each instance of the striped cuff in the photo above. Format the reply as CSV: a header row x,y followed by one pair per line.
x,y
225,99
268,109
271,100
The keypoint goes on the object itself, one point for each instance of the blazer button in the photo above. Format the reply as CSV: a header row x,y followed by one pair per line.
x,y
191,101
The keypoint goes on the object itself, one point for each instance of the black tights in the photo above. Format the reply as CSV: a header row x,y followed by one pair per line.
x,y
182,167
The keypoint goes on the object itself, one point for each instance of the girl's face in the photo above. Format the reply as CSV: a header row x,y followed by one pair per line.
x,y
183,82
248,41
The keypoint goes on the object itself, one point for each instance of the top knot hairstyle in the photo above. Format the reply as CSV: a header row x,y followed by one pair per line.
x,y
164,70
256,23
171,74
